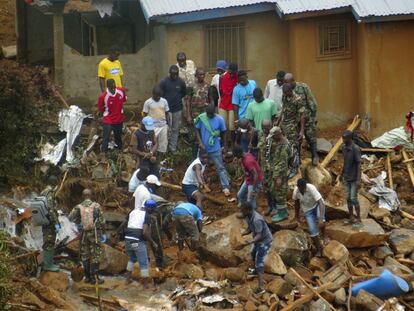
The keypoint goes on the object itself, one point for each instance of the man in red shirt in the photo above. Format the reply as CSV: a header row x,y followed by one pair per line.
x,y
111,103
226,109
253,176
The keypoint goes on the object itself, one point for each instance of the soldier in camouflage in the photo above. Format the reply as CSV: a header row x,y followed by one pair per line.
x,y
50,230
276,156
310,105
291,120
264,164
89,217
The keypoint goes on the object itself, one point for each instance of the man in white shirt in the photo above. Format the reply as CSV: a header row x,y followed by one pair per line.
x,y
308,198
143,192
138,178
274,91
221,67
194,180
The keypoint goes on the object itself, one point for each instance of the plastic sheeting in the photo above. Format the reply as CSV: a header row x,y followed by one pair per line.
x,y
52,154
394,138
104,7
67,230
387,197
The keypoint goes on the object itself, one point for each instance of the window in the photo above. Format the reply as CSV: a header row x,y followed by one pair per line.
x,y
225,41
334,39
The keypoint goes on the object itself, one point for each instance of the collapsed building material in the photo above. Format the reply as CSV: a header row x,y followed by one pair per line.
x,y
409,167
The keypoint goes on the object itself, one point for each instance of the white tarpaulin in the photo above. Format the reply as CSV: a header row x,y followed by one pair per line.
x,y
104,7
394,138
387,197
52,154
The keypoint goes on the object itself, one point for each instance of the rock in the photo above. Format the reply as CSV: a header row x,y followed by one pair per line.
x,y
340,296
279,287
9,51
379,213
236,239
382,252
273,264
319,177
407,224
319,264
335,252
336,210
170,284
319,305
393,265
113,261
188,270
402,241
56,280
250,306
244,292
262,308
323,145
28,298
217,248
292,247
367,301
237,275
292,279
212,274
371,234
113,220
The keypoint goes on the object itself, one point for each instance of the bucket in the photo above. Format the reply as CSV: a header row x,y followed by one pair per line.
x,y
385,286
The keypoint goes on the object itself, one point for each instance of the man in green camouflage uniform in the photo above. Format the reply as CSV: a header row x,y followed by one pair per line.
x,y
291,120
276,156
198,101
310,105
50,230
92,235
264,164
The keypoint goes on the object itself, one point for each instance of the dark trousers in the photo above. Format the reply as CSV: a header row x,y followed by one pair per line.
x,y
107,128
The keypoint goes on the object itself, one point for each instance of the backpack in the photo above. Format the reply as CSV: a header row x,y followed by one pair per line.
x,y
87,216
40,211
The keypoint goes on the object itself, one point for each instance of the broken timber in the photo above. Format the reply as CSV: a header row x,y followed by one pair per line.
x,y
409,167
355,123
178,188
389,167
306,298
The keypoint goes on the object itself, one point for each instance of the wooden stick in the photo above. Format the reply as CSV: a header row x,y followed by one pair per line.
x,y
178,188
408,160
61,98
349,296
409,167
22,306
35,253
62,182
389,167
311,288
406,261
355,123
385,150
105,300
406,215
306,298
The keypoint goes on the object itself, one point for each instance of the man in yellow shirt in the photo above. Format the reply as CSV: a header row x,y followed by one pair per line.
x,y
110,68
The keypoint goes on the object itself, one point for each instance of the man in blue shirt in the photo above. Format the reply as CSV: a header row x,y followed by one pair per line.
x,y
242,95
188,223
211,135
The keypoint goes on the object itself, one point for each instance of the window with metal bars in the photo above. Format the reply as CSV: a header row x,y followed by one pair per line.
x,y
225,41
334,39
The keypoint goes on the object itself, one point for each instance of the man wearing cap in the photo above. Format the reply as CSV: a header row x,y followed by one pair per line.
x,y
144,146
144,191
351,176
228,82
221,67
276,157
174,90
310,106
188,224
274,90
110,104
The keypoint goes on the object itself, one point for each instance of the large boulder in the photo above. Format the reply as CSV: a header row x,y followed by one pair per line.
x,y
292,246
56,280
113,261
274,264
188,270
371,234
218,247
402,241
337,207
335,252
319,177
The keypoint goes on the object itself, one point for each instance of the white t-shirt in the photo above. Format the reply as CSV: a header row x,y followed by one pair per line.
x,y
309,199
141,194
274,92
216,83
157,110
134,182
190,177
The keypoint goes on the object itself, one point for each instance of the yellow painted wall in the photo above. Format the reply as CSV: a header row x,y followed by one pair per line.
x,y
333,81
266,44
386,52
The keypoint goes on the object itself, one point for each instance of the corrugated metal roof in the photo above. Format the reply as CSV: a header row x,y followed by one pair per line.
x,y
169,7
361,8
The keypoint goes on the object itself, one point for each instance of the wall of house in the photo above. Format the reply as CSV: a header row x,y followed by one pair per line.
x,y
81,85
333,81
266,48
386,80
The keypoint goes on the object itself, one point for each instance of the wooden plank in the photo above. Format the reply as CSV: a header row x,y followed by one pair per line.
x,y
376,150
389,168
355,123
409,160
306,298
409,167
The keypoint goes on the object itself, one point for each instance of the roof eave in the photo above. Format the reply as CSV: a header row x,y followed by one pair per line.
x,y
387,18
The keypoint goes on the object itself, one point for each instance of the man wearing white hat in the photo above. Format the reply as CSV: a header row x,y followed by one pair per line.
x,y
143,192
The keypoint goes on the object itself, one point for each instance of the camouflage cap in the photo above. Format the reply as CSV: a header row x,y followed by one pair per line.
x,y
275,130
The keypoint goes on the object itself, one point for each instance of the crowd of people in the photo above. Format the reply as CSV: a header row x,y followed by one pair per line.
x,y
229,117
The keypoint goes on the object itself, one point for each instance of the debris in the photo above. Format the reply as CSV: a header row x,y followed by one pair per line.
x,y
191,271
383,252
396,267
319,305
387,196
318,176
323,145
371,233
402,241
279,287
409,167
50,295
319,264
336,252
367,301
337,275
292,246
9,51
274,264
397,137
56,280
389,168
237,275
340,296
178,188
